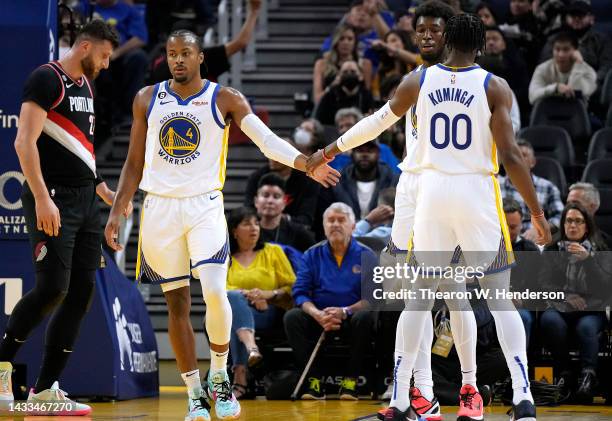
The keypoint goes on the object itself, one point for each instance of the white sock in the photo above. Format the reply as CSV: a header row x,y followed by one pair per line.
x,y
193,383
423,378
218,311
408,338
511,335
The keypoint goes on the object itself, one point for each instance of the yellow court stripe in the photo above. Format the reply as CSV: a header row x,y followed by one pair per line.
x,y
138,263
223,163
499,204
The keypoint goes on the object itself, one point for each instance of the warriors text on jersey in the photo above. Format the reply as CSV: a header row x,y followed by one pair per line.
x,y
65,145
186,143
457,138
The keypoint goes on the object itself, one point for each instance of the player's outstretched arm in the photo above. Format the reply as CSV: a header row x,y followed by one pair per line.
x,y
132,169
233,103
372,126
500,102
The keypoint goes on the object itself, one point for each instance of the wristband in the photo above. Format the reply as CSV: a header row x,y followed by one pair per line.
x,y
325,157
538,215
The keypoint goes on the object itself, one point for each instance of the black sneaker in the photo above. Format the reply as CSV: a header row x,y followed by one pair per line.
x,y
348,389
586,387
524,411
394,414
565,386
314,391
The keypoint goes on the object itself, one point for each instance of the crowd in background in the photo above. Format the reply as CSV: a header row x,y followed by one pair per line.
x,y
297,248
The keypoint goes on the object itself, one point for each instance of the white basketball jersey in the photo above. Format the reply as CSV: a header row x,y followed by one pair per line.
x,y
409,163
454,135
186,145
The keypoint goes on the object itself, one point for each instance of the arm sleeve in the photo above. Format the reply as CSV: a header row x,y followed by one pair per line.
x,y
361,228
539,86
43,87
302,289
583,78
270,144
368,128
285,277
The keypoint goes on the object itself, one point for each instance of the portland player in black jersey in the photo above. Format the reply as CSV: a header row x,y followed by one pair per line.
x,y
55,148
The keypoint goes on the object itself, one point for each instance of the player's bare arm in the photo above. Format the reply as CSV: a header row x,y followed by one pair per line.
x,y
132,169
373,125
31,121
500,103
234,105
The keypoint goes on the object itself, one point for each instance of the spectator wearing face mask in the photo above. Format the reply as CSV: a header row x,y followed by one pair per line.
x,y
309,136
351,92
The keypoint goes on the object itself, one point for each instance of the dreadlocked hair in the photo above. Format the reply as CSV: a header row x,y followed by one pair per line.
x,y
465,33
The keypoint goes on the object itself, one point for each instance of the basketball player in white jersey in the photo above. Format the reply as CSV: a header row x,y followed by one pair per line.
x,y
177,154
464,115
429,20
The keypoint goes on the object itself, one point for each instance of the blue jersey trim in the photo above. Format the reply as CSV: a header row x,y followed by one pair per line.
x,y
153,98
213,106
422,77
187,100
457,69
486,81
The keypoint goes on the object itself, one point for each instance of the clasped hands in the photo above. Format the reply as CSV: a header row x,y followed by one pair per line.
x,y
318,170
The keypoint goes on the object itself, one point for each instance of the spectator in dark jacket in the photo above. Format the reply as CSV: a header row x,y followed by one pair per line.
x,y
361,182
524,28
351,92
576,266
300,191
274,226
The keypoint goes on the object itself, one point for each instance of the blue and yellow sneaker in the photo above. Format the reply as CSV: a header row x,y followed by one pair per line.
x,y
226,404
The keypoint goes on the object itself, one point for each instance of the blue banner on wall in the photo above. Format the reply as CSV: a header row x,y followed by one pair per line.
x,y
115,354
28,33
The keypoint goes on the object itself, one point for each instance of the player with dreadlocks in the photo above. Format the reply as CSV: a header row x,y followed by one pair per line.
x,y
463,127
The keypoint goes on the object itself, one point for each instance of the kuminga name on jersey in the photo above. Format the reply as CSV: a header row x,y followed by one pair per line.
x,y
186,143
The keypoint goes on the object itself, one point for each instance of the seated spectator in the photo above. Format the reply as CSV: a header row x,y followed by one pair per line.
x,y
378,222
550,14
370,23
361,182
328,293
394,136
125,76
347,118
548,194
594,46
524,28
274,226
309,136
326,70
587,195
487,15
583,274
216,57
509,65
527,258
300,191
396,58
350,92
566,74
259,284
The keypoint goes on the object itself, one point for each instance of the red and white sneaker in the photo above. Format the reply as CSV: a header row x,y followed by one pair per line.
x,y
471,406
428,410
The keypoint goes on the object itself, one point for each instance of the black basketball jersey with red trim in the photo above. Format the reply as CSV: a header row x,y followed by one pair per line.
x,y
66,144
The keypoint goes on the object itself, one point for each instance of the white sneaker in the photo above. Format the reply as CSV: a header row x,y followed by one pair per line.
x,y
6,387
198,409
55,401
388,393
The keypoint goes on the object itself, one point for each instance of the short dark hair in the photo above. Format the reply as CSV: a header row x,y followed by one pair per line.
x,y
98,30
271,179
511,206
187,34
356,3
433,9
565,37
234,219
465,33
